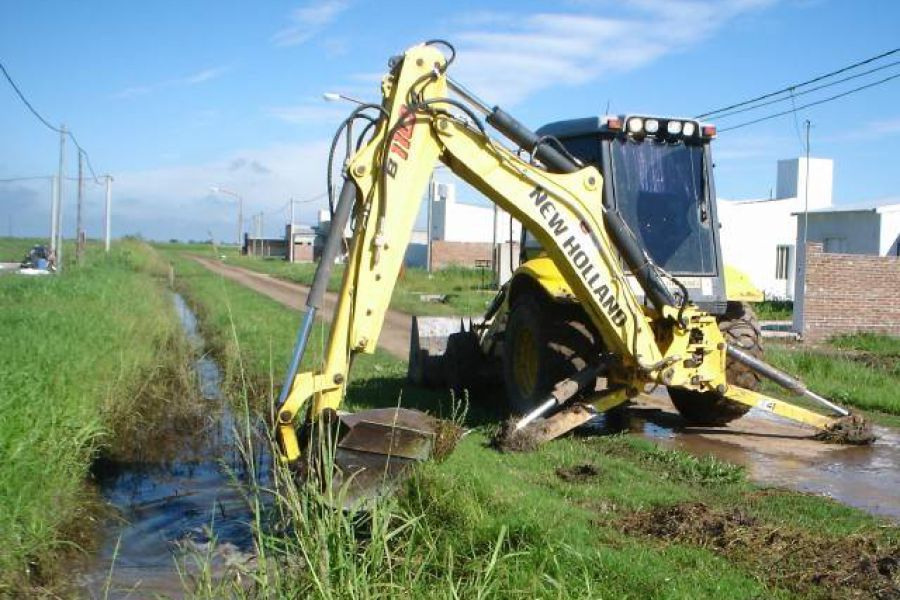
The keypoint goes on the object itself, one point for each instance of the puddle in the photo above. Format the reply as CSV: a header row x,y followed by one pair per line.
x,y
168,512
777,452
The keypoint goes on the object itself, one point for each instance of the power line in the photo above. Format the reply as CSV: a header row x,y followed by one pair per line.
x,y
798,85
313,199
44,121
26,102
809,91
30,178
816,103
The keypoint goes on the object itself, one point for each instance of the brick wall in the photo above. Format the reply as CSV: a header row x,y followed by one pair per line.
x,y
303,252
464,254
845,293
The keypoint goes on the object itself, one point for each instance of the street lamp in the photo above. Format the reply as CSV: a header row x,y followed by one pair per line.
x,y
335,97
218,190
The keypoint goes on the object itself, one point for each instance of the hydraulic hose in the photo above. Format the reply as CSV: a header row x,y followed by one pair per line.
x,y
557,161
320,283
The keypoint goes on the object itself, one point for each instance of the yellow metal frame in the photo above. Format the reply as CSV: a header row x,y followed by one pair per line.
x,y
563,211
541,270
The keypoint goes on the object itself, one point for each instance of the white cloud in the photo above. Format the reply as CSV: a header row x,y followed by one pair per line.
x,y
513,56
204,75
883,127
188,80
175,201
309,20
308,113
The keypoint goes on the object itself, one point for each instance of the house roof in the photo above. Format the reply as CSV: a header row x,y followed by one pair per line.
x,y
881,205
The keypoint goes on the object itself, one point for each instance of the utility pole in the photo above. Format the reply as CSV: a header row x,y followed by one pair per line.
x,y
60,182
79,225
806,190
108,207
53,192
495,254
291,233
429,224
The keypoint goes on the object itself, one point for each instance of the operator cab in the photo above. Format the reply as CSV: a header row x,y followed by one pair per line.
x,y
657,172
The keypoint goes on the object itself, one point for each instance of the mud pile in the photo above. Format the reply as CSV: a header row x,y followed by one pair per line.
x,y
584,473
856,566
509,439
852,429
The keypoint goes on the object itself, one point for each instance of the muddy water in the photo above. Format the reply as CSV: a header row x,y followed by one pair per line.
x,y
780,453
167,514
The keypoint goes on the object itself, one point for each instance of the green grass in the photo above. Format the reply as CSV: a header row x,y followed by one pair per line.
x,y
483,523
75,351
14,249
861,370
774,310
880,345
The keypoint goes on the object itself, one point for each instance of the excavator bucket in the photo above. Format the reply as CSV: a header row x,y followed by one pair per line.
x,y
376,449
428,343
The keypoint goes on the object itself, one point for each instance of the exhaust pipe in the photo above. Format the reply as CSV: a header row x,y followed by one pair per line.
x,y
783,379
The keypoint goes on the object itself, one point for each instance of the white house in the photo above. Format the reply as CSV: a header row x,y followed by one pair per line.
x,y
870,228
454,221
759,236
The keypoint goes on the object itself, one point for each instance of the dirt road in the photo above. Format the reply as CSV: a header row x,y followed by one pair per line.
x,y
773,450
394,335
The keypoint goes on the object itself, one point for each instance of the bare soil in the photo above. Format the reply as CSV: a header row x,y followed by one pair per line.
x,y
584,473
857,566
394,335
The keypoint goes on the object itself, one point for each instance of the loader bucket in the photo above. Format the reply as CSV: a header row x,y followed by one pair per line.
x,y
377,448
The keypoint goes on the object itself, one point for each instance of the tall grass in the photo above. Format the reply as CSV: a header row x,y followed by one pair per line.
x,y
14,249
76,350
863,371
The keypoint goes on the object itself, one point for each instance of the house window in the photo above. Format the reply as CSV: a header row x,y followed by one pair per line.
x,y
835,244
782,261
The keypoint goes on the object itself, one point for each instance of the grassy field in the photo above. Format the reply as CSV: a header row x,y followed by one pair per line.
x,y
14,249
78,352
860,370
603,517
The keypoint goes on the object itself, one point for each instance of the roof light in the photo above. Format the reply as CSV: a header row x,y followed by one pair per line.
x,y
689,129
708,130
651,125
635,125
673,127
613,123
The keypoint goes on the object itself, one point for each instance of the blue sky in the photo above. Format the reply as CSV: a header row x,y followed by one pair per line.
x,y
172,97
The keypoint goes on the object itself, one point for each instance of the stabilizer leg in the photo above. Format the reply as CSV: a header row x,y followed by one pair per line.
x,y
846,429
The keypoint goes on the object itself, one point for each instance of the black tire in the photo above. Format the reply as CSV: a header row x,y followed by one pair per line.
x,y
740,328
557,338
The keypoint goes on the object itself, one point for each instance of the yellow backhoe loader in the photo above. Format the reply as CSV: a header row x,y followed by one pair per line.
x,y
597,284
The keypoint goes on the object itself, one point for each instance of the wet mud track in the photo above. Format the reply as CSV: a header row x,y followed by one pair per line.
x,y
778,452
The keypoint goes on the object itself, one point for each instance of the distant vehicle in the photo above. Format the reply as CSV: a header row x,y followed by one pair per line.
x,y
38,261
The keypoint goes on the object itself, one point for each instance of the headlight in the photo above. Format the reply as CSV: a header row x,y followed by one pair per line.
x,y
651,126
635,125
689,129
673,127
